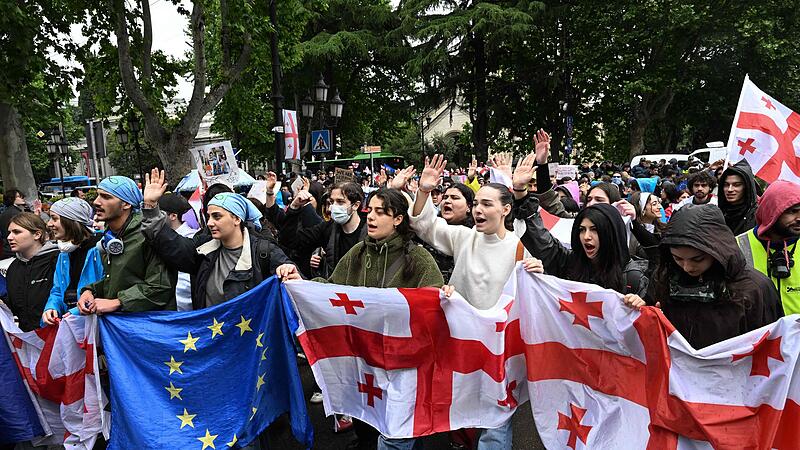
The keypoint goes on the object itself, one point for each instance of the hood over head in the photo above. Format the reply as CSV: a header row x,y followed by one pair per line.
x,y
779,196
703,227
617,224
743,169
572,189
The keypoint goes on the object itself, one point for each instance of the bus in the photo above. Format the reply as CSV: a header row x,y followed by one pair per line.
x,y
359,162
53,187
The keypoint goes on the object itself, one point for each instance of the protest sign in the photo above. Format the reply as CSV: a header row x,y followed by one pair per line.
x,y
342,175
216,163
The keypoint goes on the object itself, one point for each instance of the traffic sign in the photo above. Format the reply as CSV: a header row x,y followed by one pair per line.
x,y
372,148
320,141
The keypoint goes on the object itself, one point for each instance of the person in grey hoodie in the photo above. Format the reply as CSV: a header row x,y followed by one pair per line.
x,y
738,197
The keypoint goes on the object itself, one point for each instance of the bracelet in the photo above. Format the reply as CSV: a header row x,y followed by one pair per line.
x,y
270,192
519,190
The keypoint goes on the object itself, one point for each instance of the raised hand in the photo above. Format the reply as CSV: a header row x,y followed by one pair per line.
x,y
154,188
502,162
272,180
301,199
541,142
401,177
472,169
523,174
434,167
306,184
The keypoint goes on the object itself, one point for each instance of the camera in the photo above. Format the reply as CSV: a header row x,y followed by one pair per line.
x,y
780,264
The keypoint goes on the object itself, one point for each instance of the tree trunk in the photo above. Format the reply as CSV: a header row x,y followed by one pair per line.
x,y
638,130
481,124
176,157
15,164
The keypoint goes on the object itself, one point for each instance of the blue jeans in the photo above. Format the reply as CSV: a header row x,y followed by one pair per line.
x,y
385,443
496,438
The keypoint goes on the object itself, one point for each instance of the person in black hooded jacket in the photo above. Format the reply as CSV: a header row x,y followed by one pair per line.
x,y
739,197
703,284
599,252
30,276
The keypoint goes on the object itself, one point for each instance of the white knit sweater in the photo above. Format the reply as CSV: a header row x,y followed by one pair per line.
x,y
483,262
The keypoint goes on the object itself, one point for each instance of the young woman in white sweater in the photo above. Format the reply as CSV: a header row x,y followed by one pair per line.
x,y
484,255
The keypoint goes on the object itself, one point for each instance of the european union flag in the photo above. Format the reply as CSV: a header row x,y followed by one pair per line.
x,y
204,379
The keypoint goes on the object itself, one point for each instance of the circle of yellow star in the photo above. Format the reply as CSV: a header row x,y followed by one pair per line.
x,y
260,381
216,328
208,440
188,343
186,419
254,412
264,354
174,366
173,391
258,340
233,441
244,326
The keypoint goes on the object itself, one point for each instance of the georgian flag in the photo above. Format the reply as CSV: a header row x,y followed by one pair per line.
x,y
607,376
765,133
408,362
58,366
599,374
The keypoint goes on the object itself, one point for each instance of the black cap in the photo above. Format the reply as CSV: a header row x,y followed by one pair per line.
x,y
174,203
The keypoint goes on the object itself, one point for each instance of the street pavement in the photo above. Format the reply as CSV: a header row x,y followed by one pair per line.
x,y
525,435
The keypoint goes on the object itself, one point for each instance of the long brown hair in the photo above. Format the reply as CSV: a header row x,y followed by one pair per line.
x,y
73,231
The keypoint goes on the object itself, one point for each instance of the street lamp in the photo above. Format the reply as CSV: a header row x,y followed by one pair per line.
x,y
56,148
309,107
321,90
133,124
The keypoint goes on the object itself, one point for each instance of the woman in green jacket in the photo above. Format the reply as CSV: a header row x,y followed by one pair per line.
x,y
387,257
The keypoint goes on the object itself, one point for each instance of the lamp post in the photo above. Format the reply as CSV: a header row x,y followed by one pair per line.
x,y
56,148
123,139
309,107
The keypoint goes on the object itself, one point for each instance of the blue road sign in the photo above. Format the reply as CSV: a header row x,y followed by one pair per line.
x,y
320,141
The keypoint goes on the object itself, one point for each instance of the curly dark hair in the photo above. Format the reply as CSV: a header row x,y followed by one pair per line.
x,y
703,177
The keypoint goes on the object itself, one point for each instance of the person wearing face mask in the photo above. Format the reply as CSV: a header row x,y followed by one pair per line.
x,y
739,197
228,262
702,283
30,276
79,263
331,239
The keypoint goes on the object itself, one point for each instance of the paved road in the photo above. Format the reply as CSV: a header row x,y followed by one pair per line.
x,y
525,435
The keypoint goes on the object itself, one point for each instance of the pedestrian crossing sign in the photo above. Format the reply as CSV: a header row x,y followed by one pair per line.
x,y
320,141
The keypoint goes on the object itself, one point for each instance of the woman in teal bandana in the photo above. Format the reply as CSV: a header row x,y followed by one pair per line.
x,y
230,260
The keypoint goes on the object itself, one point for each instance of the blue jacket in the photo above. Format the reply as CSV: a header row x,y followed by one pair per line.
x,y
92,272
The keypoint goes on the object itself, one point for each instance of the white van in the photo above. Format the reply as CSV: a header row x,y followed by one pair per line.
x,y
714,151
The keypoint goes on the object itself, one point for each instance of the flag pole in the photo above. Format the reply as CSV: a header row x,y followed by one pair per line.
x,y
735,122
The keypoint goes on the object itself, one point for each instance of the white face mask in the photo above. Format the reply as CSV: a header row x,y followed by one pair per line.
x,y
340,214
66,246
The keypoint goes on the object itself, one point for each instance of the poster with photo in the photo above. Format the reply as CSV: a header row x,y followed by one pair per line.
x,y
216,163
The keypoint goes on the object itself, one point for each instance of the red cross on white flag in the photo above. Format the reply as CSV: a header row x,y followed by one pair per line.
x,y
765,133
291,139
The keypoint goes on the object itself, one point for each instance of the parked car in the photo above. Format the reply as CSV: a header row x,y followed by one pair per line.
x,y
714,151
658,157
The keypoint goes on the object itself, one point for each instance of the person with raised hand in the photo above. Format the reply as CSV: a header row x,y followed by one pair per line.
x,y
136,278
484,255
231,260
599,251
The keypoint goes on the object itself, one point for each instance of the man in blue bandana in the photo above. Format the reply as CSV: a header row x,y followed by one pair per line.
x,y
136,279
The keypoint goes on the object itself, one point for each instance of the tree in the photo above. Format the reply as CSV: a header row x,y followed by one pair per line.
x,y
31,82
171,137
458,53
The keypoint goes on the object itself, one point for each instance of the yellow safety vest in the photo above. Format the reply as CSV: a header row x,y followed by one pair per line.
x,y
756,256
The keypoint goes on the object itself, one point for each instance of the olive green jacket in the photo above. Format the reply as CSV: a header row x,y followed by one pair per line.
x,y
367,264
137,277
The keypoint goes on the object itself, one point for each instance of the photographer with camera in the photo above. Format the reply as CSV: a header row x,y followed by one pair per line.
x,y
770,246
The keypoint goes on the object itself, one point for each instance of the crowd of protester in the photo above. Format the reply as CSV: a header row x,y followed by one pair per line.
x,y
710,245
